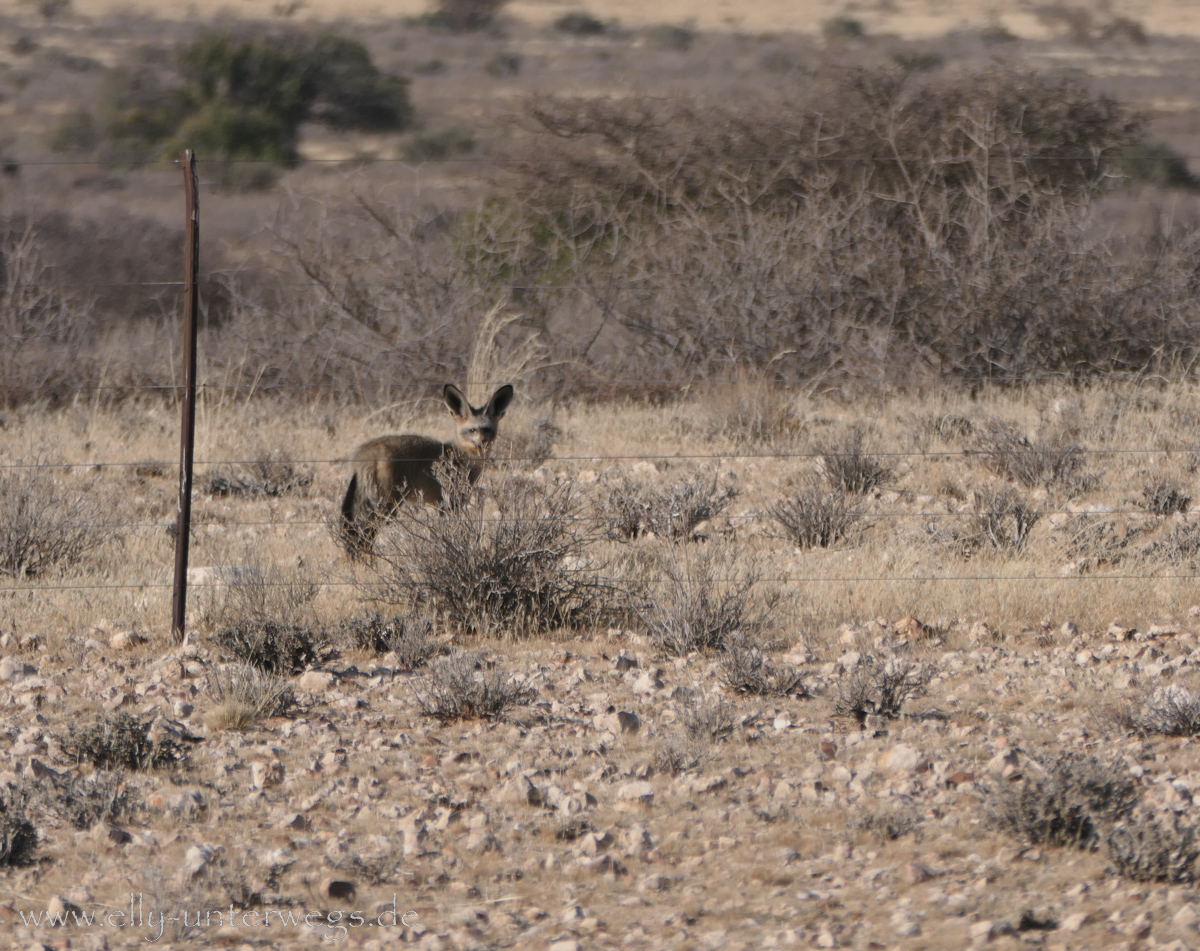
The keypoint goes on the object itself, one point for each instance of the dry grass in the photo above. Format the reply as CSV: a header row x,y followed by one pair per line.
x,y
242,695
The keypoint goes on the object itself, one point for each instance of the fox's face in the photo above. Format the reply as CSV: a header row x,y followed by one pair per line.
x,y
477,428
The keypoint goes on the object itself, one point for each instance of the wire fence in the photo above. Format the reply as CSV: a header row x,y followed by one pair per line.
x,y
36,586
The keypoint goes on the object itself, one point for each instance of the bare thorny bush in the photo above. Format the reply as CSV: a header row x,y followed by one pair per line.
x,y
816,517
467,686
939,227
47,518
629,508
999,524
1050,460
706,599
703,722
509,556
880,686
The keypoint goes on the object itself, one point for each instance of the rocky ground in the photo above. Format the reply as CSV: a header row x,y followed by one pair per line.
x,y
554,828
626,795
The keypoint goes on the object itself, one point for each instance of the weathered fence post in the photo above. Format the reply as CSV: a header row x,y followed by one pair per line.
x,y
187,447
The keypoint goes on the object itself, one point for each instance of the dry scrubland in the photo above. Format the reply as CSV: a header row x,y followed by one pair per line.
x,y
630,791
712,658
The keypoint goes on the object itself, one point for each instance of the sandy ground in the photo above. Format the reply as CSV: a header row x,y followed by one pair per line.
x,y
911,19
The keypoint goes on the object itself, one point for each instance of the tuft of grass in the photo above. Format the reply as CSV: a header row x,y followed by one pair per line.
x,y
880,686
816,518
504,64
261,595
1155,849
847,466
707,600
439,145
996,35
1068,804
243,695
74,132
924,62
121,741
44,523
1001,522
1181,547
466,686
463,16
507,556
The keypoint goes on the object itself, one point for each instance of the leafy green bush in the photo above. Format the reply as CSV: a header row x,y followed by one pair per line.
x,y
246,97
74,132
843,28
579,23
1156,163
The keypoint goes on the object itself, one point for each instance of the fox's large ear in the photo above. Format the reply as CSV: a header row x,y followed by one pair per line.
x,y
456,401
498,404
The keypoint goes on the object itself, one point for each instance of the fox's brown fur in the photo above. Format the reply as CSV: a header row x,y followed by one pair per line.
x,y
390,470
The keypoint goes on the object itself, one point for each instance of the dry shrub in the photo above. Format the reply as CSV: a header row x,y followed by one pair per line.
x,y
44,521
880,686
466,686
1150,848
746,667
272,475
702,722
706,600
1051,462
18,835
629,508
507,556
816,518
889,825
275,648
84,801
747,413
1093,541
1069,804
389,304
121,741
1172,711
243,695
691,231
257,594
848,467
1181,547
1001,523
526,447
409,637
1162,495
465,16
